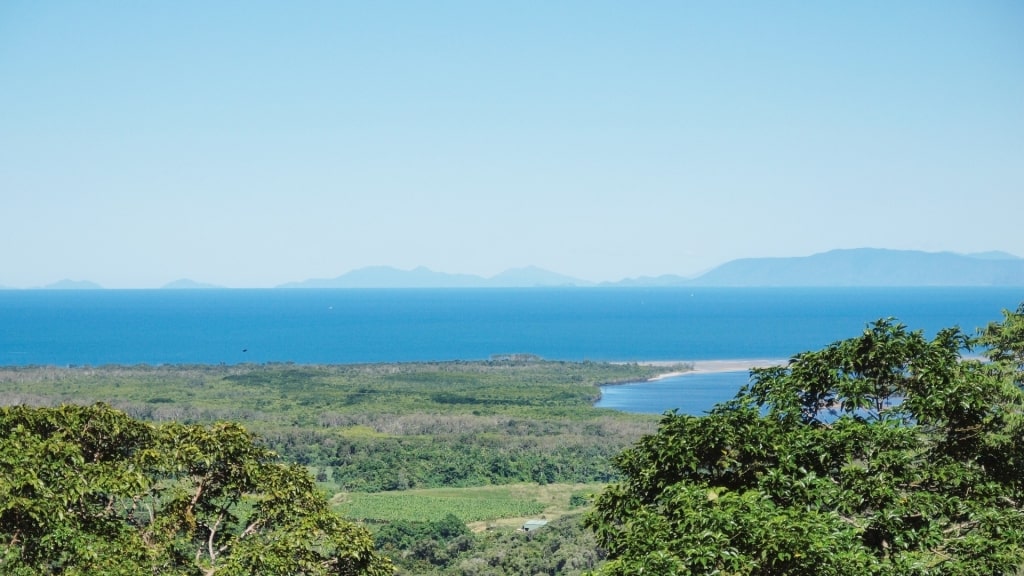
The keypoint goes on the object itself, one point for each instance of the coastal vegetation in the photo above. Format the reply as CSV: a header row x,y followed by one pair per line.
x,y
380,427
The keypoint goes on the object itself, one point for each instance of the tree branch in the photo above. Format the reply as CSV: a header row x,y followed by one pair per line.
x,y
209,540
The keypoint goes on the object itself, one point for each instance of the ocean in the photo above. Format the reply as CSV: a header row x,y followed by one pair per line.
x,y
97,327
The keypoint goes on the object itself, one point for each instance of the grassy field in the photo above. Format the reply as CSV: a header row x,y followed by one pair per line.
x,y
480,507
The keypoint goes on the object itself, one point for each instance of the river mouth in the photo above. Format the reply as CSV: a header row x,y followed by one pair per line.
x,y
693,393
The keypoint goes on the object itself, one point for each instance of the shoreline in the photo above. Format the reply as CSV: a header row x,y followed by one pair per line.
x,y
713,366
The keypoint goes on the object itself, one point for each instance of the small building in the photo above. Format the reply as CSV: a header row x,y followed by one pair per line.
x,y
532,525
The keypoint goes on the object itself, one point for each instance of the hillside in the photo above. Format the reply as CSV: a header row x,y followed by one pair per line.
x,y
421,277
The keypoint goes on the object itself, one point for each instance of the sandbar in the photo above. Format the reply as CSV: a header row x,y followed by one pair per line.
x,y
709,366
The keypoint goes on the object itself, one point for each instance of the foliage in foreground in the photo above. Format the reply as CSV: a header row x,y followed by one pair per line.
x,y
883,454
89,490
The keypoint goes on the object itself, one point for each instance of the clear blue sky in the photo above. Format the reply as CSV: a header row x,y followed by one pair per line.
x,y
250,143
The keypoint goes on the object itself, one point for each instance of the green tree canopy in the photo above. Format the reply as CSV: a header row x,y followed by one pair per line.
x,y
1005,341
88,490
885,454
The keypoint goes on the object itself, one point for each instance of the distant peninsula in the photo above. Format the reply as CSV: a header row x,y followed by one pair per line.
x,y
866,267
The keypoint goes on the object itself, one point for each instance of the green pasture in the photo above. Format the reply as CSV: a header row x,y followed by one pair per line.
x,y
471,505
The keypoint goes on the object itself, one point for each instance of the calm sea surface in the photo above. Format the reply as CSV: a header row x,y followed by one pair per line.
x,y
350,326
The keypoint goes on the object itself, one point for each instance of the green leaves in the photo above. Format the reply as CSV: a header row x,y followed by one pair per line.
x,y
1005,343
87,490
883,454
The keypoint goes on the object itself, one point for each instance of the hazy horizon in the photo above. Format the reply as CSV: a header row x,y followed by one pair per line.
x,y
259,143
406,275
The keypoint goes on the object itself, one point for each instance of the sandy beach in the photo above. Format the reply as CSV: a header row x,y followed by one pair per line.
x,y
708,366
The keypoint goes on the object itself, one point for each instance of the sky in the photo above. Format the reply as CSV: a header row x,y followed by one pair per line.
x,y
250,143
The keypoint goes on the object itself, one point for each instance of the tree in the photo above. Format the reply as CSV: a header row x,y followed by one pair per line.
x,y
1005,341
88,490
885,454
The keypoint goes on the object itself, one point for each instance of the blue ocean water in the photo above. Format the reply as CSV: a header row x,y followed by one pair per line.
x,y
692,394
352,326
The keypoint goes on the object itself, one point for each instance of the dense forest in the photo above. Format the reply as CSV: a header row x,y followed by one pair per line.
x,y
887,453
380,426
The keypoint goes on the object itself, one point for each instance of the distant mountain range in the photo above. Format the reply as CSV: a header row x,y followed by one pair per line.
x,y
67,284
857,267
861,267
186,284
871,267
387,277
